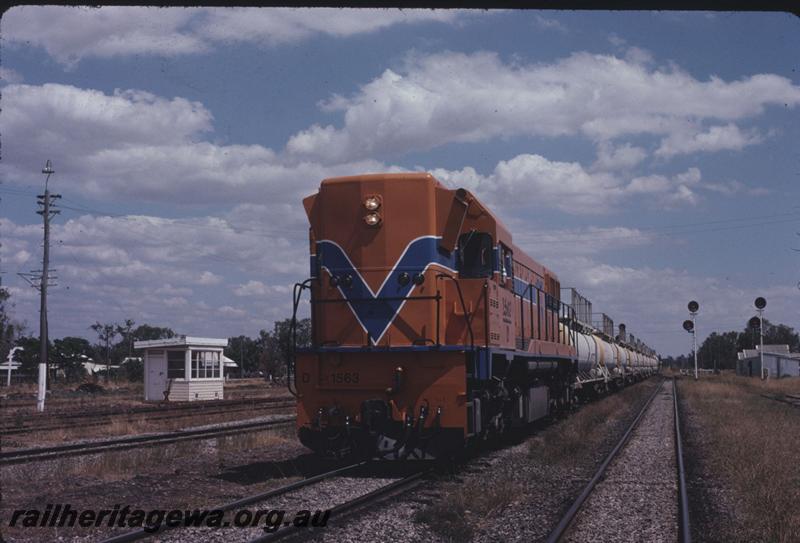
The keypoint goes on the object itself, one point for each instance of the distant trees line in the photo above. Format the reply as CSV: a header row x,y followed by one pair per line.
x,y
265,354
719,349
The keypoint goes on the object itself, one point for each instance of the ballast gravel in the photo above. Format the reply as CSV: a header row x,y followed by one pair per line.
x,y
637,500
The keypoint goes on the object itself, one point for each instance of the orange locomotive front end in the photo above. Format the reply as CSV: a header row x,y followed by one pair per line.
x,y
429,327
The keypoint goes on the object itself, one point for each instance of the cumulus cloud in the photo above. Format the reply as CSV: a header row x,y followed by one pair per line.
x,y
432,100
622,157
716,138
133,144
530,181
652,301
74,33
69,34
162,271
287,25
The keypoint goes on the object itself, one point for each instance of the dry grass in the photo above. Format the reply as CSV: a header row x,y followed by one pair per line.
x,y
466,505
754,447
574,441
568,439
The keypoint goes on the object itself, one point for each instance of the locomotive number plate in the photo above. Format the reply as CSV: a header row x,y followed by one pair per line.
x,y
340,378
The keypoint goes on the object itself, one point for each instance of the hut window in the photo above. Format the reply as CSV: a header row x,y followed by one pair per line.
x,y
205,364
176,364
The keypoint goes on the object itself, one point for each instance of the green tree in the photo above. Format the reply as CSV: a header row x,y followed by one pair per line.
x,y
9,329
28,356
278,344
125,331
774,334
105,334
69,354
719,349
244,351
145,332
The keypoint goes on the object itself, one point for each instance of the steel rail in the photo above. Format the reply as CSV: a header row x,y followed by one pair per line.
x,y
685,535
141,533
392,489
187,406
569,516
9,430
130,442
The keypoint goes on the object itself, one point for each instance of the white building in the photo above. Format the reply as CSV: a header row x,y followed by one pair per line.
x,y
778,362
182,368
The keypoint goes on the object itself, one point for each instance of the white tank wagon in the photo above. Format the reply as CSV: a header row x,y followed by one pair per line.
x,y
604,360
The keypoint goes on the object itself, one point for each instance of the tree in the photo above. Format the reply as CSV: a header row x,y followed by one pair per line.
x,y
774,334
105,333
9,329
278,344
28,356
69,354
245,351
718,350
145,332
124,330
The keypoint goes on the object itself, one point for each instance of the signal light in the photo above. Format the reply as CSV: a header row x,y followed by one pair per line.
x,y
688,325
372,219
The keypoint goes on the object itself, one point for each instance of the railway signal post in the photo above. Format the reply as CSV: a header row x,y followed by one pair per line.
x,y
693,307
760,304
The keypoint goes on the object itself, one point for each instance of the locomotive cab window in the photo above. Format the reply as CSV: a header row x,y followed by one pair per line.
x,y
506,263
475,255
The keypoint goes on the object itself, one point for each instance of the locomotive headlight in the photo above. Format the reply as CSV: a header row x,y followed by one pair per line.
x,y
403,279
334,281
372,203
372,219
418,279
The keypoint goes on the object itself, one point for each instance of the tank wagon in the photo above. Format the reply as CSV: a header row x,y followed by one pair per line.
x,y
430,328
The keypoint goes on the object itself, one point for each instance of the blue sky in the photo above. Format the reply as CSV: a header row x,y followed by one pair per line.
x,y
648,158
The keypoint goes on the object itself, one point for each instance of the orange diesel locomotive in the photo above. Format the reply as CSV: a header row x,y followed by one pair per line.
x,y
429,326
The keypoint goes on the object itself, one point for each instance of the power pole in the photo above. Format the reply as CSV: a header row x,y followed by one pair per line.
x,y
46,201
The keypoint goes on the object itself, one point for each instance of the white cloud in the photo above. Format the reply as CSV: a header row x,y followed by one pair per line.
x,y
287,25
530,181
70,34
450,97
547,23
136,145
716,138
622,157
629,295
257,288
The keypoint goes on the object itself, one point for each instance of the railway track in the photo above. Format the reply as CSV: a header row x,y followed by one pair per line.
x,y
791,399
267,500
21,456
45,423
638,493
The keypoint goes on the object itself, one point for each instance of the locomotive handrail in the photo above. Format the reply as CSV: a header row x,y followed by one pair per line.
x,y
467,314
291,375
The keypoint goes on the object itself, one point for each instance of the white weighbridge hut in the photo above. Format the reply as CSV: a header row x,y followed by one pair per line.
x,y
183,369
